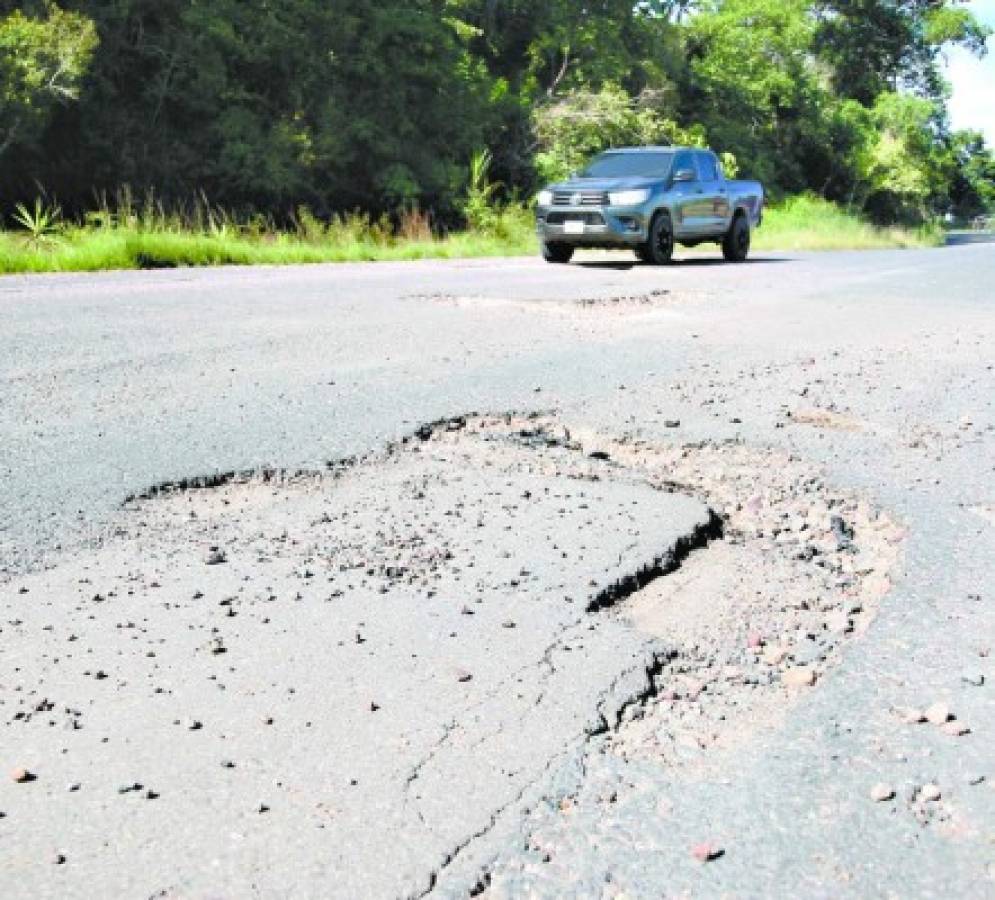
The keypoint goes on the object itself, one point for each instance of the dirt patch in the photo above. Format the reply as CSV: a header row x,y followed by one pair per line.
x,y
643,303
825,418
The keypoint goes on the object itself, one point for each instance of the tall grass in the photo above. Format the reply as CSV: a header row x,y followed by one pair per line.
x,y
806,222
130,234
126,233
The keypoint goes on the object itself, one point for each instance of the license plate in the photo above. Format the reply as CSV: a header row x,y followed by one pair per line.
x,y
573,226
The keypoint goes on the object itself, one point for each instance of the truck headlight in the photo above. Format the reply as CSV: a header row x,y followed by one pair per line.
x,y
628,198
545,198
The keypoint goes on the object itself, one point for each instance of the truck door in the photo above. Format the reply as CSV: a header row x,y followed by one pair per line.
x,y
690,207
715,195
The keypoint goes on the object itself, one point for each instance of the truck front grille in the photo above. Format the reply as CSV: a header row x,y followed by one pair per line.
x,y
580,198
588,218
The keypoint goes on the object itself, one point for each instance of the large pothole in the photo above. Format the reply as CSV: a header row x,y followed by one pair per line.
x,y
365,676
323,684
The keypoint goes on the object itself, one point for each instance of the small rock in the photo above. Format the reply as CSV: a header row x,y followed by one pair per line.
x,y
75,786
911,716
262,808
671,423
798,677
975,779
463,675
193,724
706,851
839,623
227,764
21,775
508,623
216,556
754,639
59,859
937,714
882,792
930,792
955,728
975,679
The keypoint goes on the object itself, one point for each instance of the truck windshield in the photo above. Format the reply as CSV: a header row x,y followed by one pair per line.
x,y
620,165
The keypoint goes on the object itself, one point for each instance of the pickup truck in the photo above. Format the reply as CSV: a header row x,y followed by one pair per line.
x,y
648,199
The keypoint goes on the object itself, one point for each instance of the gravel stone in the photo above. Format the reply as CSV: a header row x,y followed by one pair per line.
x,y
881,792
796,678
706,852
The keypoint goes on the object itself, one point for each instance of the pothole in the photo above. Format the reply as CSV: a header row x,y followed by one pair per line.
x,y
638,303
411,643
362,645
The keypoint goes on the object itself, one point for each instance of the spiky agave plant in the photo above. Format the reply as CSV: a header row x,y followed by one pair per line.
x,y
42,224
480,194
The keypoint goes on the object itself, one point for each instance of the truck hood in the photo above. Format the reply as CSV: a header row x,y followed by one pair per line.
x,y
606,184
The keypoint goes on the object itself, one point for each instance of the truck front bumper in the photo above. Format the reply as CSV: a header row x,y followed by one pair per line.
x,y
592,226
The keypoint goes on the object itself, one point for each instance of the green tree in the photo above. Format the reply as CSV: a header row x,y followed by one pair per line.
x,y
754,85
381,104
539,51
42,60
582,123
873,46
972,190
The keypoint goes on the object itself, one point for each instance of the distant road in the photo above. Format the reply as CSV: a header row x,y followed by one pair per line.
x,y
957,238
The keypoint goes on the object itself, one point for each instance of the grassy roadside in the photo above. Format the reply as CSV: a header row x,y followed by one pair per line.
x,y
811,223
80,250
801,223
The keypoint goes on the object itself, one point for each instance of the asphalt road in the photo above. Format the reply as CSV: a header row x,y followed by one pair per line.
x,y
112,383
872,370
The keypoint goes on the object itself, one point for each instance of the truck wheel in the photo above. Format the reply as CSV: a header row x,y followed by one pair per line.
x,y
557,253
736,243
660,247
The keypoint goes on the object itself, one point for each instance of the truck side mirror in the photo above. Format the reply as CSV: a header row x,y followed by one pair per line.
x,y
684,175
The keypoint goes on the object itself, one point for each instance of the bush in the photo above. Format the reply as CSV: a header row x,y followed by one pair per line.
x,y
583,123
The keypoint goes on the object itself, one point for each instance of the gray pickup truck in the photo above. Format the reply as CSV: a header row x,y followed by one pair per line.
x,y
648,199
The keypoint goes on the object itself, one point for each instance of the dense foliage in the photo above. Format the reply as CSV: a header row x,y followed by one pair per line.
x,y
382,104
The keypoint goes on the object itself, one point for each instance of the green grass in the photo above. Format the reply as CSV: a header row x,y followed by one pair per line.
x,y
80,250
153,240
811,223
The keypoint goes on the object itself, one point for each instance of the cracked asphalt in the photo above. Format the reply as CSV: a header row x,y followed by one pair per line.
x,y
510,654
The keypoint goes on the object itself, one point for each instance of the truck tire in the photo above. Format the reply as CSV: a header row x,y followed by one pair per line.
x,y
736,243
557,253
659,249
